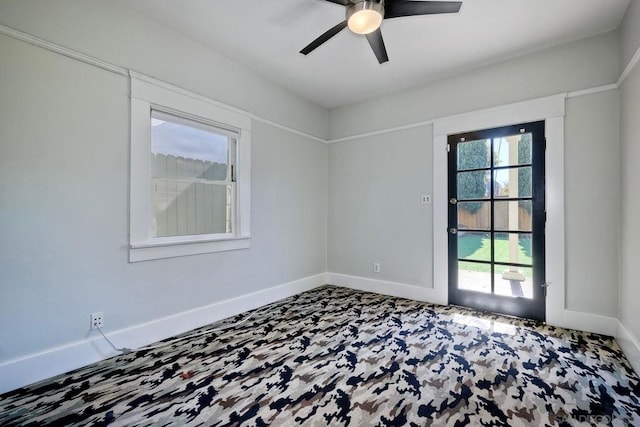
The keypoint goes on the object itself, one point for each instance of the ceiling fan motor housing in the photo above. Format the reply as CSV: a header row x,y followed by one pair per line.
x,y
364,17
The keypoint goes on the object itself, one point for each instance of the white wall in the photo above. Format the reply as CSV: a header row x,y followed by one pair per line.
x,y
629,33
630,248
630,177
375,214
64,162
572,66
358,188
592,203
112,32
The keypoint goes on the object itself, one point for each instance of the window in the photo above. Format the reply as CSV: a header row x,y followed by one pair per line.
x,y
189,173
192,168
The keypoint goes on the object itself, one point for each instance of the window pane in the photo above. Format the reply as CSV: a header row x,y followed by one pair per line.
x,y
182,207
474,185
188,149
513,215
512,150
512,248
474,246
473,276
512,183
512,281
474,215
473,154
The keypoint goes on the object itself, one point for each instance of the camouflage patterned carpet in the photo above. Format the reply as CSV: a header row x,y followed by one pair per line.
x,y
334,356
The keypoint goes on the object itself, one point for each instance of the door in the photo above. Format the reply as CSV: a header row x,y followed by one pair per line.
x,y
497,220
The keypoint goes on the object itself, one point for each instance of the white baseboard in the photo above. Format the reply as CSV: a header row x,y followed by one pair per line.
x,y
589,322
567,319
630,346
394,289
35,367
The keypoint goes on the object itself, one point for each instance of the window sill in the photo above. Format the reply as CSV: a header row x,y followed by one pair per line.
x,y
156,250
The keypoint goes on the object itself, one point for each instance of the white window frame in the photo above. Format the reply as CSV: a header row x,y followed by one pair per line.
x,y
149,94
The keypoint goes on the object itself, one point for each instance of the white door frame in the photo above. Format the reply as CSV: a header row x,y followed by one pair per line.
x,y
551,109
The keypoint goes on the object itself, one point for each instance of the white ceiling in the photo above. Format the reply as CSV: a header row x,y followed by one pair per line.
x,y
266,36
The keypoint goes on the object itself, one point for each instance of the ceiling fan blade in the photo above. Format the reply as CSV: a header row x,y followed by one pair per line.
x,y
323,38
342,2
397,8
377,44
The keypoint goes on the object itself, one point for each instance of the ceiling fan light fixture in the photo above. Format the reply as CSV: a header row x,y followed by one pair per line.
x,y
365,17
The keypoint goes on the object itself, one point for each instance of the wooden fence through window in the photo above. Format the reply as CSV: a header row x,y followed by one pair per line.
x,y
481,219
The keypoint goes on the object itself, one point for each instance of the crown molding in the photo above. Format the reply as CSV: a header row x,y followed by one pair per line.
x,y
56,48
70,53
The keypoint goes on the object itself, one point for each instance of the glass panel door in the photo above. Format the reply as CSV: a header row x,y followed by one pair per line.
x,y
496,220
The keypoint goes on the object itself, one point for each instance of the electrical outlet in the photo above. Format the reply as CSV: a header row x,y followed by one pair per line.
x,y
426,198
97,320
376,267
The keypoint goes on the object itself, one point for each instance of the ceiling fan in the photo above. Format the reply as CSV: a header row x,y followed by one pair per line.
x,y
365,17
